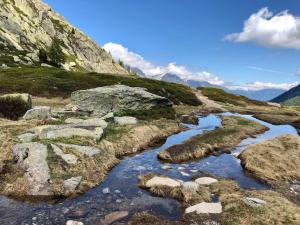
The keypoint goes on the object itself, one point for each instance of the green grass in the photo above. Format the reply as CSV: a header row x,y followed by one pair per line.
x,y
54,82
153,114
220,95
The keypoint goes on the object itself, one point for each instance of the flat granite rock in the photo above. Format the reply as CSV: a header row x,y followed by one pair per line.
x,y
68,158
86,150
205,208
254,202
38,113
206,180
162,181
126,120
32,158
71,184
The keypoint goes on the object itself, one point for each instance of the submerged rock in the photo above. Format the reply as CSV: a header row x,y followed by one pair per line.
x,y
113,217
204,207
116,98
162,181
72,222
38,113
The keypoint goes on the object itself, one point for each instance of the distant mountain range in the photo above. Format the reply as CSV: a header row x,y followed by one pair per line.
x,y
290,97
262,95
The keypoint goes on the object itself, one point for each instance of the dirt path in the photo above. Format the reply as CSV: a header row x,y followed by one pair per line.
x,y
208,102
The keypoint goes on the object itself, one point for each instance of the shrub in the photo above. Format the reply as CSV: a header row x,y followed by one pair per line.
x,y
43,56
56,54
12,107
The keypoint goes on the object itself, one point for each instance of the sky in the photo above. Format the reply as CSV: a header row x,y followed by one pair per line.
x,y
236,43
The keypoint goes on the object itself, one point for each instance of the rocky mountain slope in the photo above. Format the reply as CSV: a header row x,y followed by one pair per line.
x,y
29,26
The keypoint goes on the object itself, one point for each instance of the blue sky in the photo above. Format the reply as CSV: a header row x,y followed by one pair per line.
x,y
191,33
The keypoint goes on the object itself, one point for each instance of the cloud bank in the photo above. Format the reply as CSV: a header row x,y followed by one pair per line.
x,y
135,60
132,59
265,28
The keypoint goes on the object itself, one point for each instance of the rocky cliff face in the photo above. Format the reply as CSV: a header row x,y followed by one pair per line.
x,y
27,26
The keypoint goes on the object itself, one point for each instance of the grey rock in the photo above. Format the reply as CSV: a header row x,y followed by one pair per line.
x,y
88,123
206,180
39,113
117,98
86,150
68,158
205,208
254,202
27,137
71,132
71,184
126,120
109,117
73,222
32,158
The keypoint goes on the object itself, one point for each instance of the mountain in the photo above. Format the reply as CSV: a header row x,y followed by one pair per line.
x,y
135,70
29,26
261,95
290,97
172,78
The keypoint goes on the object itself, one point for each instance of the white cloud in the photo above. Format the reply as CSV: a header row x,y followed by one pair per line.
x,y
135,60
266,70
281,30
261,85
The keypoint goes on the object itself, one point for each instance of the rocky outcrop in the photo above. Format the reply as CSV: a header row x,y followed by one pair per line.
x,y
39,113
32,158
27,26
116,98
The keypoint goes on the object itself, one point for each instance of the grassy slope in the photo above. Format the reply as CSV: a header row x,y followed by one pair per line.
x,y
220,95
53,82
290,97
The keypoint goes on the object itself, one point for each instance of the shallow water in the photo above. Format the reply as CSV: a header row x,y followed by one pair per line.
x,y
122,182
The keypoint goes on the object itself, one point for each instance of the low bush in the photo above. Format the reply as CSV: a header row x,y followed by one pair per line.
x,y
152,114
12,107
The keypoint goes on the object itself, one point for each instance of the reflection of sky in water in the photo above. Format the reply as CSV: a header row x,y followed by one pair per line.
x,y
124,178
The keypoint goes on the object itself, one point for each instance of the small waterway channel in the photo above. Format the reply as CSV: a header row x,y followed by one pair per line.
x,y
124,194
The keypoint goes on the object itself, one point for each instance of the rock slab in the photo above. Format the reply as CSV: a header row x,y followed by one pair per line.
x,y
205,208
117,98
162,181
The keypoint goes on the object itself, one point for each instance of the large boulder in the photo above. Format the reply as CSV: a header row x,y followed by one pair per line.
x,y
117,98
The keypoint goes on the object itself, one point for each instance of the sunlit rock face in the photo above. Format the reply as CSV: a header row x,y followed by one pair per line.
x,y
26,26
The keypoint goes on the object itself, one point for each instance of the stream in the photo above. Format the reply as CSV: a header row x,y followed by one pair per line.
x,y
122,180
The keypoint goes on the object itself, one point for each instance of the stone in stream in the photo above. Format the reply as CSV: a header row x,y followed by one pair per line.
x,y
73,222
38,113
206,180
126,120
32,158
68,158
184,174
205,208
113,217
254,202
71,184
106,191
162,181
27,137
86,150
116,98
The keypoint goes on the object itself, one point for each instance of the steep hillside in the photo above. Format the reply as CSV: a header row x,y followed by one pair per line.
x,y
28,27
291,97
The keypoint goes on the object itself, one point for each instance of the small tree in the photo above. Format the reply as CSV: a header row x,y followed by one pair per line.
x,y
56,54
43,56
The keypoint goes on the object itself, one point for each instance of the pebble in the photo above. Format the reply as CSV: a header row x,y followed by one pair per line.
x,y
184,174
106,191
